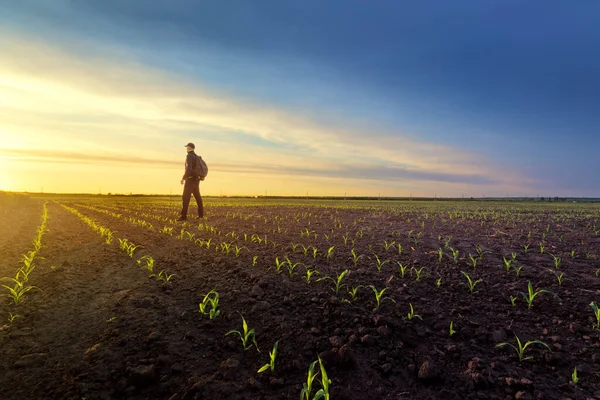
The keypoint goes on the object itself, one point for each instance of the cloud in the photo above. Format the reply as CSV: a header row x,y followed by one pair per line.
x,y
109,103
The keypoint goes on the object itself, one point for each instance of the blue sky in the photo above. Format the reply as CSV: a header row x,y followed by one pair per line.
x,y
496,97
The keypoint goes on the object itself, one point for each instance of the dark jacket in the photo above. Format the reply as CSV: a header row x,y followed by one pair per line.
x,y
190,164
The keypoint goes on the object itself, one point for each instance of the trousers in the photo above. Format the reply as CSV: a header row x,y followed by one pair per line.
x,y
191,187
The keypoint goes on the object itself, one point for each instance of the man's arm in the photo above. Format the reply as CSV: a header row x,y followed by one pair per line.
x,y
188,165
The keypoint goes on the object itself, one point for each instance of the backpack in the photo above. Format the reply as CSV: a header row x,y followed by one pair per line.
x,y
200,170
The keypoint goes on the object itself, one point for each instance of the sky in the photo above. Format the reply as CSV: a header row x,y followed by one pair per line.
x,y
339,97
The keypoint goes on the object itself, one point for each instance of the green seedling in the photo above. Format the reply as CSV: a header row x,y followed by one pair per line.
x,y
531,295
162,276
279,264
525,247
315,252
210,305
403,269
379,298
248,336
507,264
387,245
379,264
254,260
307,387
440,254
559,277
330,253
418,272
308,275
337,282
291,266
513,299
18,292
574,377
412,314
542,248
470,284
596,310
518,270
356,257
353,292
572,253
438,282
12,317
473,260
520,348
149,263
399,249
238,250
451,331
557,261
271,364
455,254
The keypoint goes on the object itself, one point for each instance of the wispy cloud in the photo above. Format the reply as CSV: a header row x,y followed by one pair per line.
x,y
105,103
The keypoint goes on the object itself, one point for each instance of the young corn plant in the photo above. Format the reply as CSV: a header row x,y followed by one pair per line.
x,y
379,264
210,305
418,272
470,284
403,268
440,252
162,276
455,254
596,310
247,336
356,257
379,297
337,282
513,299
521,348
291,266
329,255
307,387
525,247
438,282
308,275
412,314
559,277
507,264
387,245
254,260
451,331
279,264
271,364
17,292
531,294
149,263
557,261
353,292
574,377
518,270
473,260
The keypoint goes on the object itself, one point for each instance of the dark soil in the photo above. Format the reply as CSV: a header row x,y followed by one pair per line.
x,y
101,328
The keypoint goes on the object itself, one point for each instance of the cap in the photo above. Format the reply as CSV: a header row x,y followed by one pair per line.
x,y
190,145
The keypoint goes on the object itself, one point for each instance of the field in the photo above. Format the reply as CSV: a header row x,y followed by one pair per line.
x,y
111,298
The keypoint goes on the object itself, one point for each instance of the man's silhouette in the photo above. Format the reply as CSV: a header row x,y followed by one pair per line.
x,y
192,183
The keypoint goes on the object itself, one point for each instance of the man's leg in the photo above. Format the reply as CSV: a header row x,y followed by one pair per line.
x,y
198,198
187,195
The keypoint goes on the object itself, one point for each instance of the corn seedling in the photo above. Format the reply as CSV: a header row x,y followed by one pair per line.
x,y
291,266
574,377
520,348
387,245
238,250
210,304
402,268
12,317
447,242
418,272
378,263
470,284
149,263
518,270
356,257
330,253
542,248
353,292
438,282
254,260
513,299
525,247
279,264
248,336
162,276
559,277
17,292
473,260
531,295
507,264
451,331
337,283
440,254
271,364
399,249
379,298
572,253
596,310
557,261
308,275
315,251
455,254
307,387
412,314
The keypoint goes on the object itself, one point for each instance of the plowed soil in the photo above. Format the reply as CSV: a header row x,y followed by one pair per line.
x,y
99,327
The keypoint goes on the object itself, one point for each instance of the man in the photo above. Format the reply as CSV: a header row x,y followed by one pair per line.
x,y
192,183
